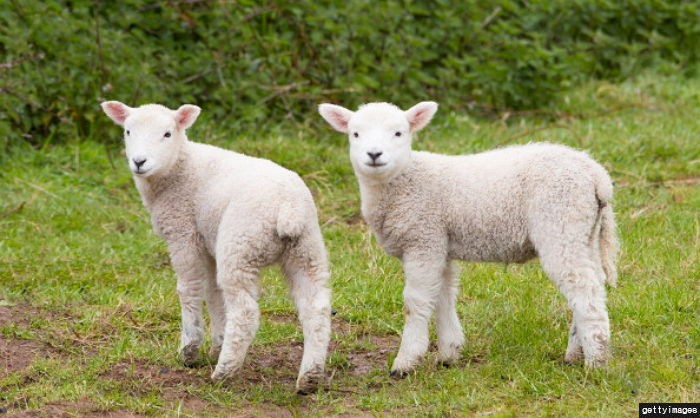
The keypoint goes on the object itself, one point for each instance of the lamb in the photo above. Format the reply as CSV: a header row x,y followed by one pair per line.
x,y
224,216
505,205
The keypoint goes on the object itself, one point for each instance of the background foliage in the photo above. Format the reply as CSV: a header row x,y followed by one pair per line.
x,y
253,64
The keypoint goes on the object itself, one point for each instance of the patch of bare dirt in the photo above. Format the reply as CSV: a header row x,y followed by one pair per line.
x,y
363,361
81,408
16,355
19,315
262,365
283,360
151,375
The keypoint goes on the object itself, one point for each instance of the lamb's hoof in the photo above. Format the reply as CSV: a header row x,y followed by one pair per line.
x,y
404,365
399,374
451,357
310,381
220,375
574,356
451,351
190,355
599,354
598,361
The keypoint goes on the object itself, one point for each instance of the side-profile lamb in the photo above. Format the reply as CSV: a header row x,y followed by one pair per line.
x,y
224,216
506,205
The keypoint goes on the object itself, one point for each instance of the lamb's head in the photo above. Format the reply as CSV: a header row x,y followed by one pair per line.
x,y
380,135
153,134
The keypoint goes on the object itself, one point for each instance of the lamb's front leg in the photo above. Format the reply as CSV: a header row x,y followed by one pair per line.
x,y
449,330
423,283
192,268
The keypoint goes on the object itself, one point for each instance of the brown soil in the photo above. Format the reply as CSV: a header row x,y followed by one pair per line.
x,y
364,362
17,315
81,408
17,354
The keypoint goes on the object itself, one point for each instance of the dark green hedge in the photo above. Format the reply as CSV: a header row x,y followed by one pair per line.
x,y
251,63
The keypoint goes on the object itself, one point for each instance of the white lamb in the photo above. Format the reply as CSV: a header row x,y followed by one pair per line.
x,y
224,216
506,205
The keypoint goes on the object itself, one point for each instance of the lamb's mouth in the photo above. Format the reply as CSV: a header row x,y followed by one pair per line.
x,y
140,172
375,164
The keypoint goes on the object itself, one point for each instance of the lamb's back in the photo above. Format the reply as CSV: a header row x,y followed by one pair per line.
x,y
239,186
482,201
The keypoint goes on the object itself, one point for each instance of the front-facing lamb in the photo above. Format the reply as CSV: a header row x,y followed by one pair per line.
x,y
507,205
224,216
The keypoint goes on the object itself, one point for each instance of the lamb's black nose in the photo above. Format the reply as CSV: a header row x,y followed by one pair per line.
x,y
374,155
139,163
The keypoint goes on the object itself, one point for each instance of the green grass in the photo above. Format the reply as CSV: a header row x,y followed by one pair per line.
x,y
86,285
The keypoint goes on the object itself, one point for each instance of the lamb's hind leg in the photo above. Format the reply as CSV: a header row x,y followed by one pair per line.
x,y
574,349
575,275
240,289
308,289
423,283
449,330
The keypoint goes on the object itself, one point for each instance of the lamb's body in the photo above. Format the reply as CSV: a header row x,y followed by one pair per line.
x,y
507,205
487,206
225,216
216,195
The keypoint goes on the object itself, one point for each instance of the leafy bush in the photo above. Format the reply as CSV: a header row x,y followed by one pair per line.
x,y
253,64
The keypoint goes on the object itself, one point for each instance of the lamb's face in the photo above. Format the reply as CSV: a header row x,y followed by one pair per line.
x,y
152,141
153,135
380,135
380,140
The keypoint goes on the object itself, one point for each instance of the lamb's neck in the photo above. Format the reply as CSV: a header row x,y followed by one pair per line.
x,y
370,195
151,188
374,191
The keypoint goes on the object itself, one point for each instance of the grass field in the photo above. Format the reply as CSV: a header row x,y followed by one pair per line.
x,y
89,317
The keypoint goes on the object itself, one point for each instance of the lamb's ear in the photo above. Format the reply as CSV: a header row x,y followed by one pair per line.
x,y
117,111
186,114
337,116
419,115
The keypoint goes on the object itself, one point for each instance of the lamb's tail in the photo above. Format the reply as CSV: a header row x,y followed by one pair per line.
x,y
609,245
291,220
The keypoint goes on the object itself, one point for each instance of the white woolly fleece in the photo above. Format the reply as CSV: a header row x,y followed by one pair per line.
x,y
225,216
506,205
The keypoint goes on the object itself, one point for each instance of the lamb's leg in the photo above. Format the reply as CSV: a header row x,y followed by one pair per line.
x,y
590,317
575,275
312,298
217,315
574,350
449,330
423,283
192,270
240,290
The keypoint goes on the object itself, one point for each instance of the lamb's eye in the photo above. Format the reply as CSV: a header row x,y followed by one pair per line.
x,y
355,134
397,133
128,132
167,135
